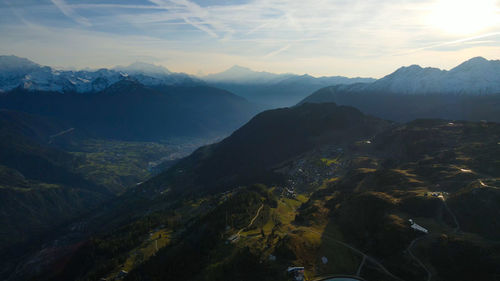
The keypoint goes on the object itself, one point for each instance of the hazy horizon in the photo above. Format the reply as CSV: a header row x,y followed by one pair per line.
x,y
327,38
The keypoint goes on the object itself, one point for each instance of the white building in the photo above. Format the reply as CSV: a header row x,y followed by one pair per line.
x,y
417,227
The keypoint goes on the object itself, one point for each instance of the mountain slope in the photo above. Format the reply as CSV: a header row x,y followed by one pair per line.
x,y
267,141
470,91
129,110
475,76
40,189
434,172
337,191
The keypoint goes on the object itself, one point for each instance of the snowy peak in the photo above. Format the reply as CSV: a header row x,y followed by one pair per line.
x,y
143,68
475,76
19,72
13,63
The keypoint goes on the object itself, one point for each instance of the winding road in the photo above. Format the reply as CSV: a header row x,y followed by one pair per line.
x,y
365,256
414,241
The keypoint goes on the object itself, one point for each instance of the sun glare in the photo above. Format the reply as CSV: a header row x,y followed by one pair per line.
x,y
463,16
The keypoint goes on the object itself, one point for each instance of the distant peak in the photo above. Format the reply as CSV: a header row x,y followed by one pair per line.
x,y
242,74
473,62
413,67
16,62
476,60
239,68
143,67
408,69
145,64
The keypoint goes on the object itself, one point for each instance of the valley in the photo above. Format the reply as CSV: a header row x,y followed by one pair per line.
x,y
276,140
53,185
339,208
147,181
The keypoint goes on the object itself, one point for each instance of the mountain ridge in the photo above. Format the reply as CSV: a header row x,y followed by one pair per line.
x,y
16,72
474,76
130,110
469,91
274,90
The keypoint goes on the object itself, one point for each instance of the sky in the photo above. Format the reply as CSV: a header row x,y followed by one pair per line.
x,y
355,38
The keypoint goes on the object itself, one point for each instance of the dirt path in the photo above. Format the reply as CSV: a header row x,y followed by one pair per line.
x,y
457,225
358,272
252,221
422,265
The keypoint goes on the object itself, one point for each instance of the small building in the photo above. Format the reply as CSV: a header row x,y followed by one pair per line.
x,y
417,227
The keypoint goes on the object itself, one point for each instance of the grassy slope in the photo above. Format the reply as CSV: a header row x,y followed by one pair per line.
x,y
364,200
385,183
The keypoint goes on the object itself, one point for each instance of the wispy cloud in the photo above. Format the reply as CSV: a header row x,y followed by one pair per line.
x,y
70,13
195,22
454,42
278,51
194,15
321,36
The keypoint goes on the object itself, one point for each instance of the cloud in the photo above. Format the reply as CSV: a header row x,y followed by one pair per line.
x,y
194,15
275,52
201,26
464,41
70,13
368,36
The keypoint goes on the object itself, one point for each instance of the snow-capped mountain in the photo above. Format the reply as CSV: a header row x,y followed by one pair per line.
x,y
20,72
143,68
470,91
475,76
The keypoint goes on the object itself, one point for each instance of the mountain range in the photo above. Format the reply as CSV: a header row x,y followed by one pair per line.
x,y
337,189
137,102
22,73
476,76
338,193
470,91
273,90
